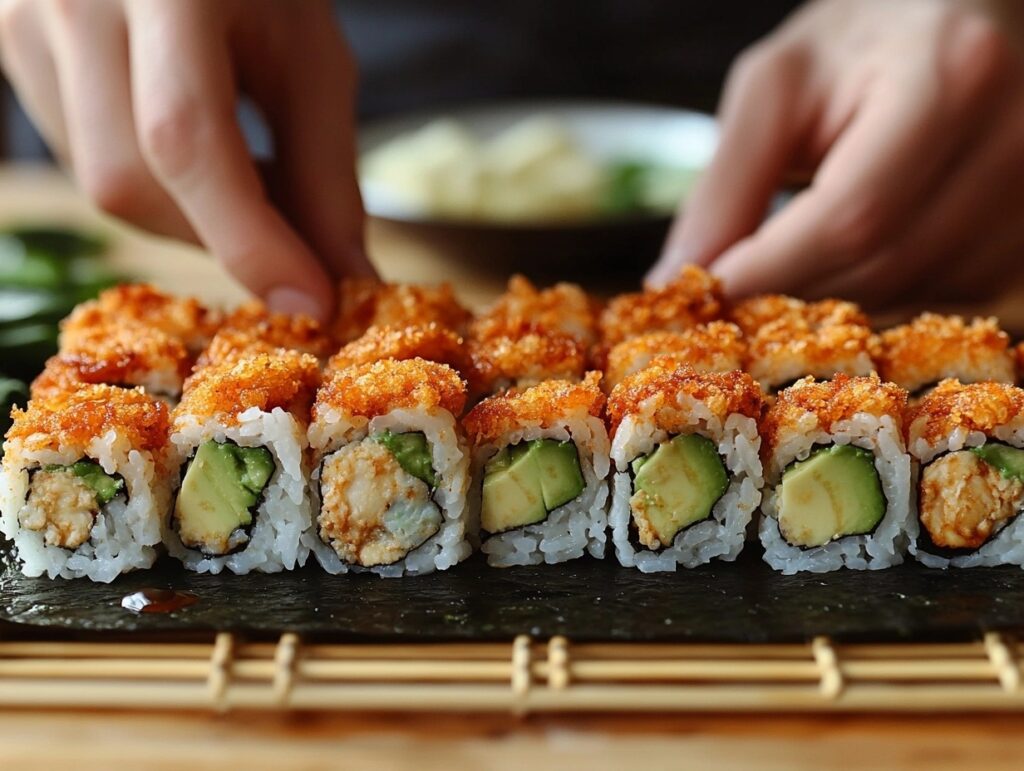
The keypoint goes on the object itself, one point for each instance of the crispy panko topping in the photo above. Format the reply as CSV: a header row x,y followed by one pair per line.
x,y
115,354
933,347
750,315
695,297
788,339
181,317
74,418
520,362
375,389
951,405
365,303
546,403
654,388
829,401
252,324
964,500
714,347
286,379
430,342
563,309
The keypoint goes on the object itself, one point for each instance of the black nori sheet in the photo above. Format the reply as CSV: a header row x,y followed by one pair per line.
x,y
584,600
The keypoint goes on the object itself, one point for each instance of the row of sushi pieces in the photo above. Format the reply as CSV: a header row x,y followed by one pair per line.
x,y
411,432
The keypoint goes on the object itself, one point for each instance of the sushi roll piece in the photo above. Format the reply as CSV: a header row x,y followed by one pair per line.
x,y
788,339
714,347
251,328
430,342
694,297
118,355
390,469
837,476
501,362
932,348
687,475
540,462
142,305
239,440
562,310
365,303
84,482
968,441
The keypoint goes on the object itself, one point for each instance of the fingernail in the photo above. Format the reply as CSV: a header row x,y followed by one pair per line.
x,y
287,299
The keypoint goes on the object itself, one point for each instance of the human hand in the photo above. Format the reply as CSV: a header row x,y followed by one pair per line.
x,y
910,116
138,98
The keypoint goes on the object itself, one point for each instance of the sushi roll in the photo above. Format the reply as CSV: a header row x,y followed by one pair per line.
x,y
430,342
837,476
142,305
694,297
540,462
931,348
687,476
239,441
968,441
365,303
390,469
563,310
499,363
788,339
119,355
251,328
714,347
84,482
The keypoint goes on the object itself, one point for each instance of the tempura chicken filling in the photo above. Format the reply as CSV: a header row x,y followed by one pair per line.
x,y
964,500
61,506
373,511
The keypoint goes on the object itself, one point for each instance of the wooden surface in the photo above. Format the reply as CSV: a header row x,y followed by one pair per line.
x,y
102,740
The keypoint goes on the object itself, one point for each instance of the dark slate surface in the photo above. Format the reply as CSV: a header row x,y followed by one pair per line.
x,y
585,600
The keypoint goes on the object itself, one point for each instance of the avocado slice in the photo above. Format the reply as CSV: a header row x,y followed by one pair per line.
x,y
103,484
412,451
836,492
1008,460
525,482
218,492
676,486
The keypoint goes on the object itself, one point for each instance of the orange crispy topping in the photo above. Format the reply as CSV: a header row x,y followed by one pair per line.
x,y
376,389
546,403
285,379
75,418
280,330
181,317
750,315
365,303
830,401
563,309
976,407
430,342
725,393
933,347
114,354
526,360
695,297
714,347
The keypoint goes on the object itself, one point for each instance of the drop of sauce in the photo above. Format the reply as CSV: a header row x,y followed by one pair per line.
x,y
158,600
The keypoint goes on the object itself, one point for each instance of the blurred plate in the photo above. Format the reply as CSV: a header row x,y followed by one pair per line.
x,y
610,131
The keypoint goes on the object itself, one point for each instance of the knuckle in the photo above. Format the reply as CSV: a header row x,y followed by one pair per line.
x,y
118,191
171,136
857,228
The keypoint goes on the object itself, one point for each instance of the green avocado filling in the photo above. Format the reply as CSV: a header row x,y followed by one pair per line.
x,y
836,492
412,451
105,486
676,486
1009,461
526,482
221,486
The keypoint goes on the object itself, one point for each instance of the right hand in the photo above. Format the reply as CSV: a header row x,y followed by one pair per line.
x,y
138,99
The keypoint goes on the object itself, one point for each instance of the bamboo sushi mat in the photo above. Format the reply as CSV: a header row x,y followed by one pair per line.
x,y
526,676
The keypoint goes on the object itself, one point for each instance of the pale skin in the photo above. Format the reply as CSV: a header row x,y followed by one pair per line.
x,y
906,117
